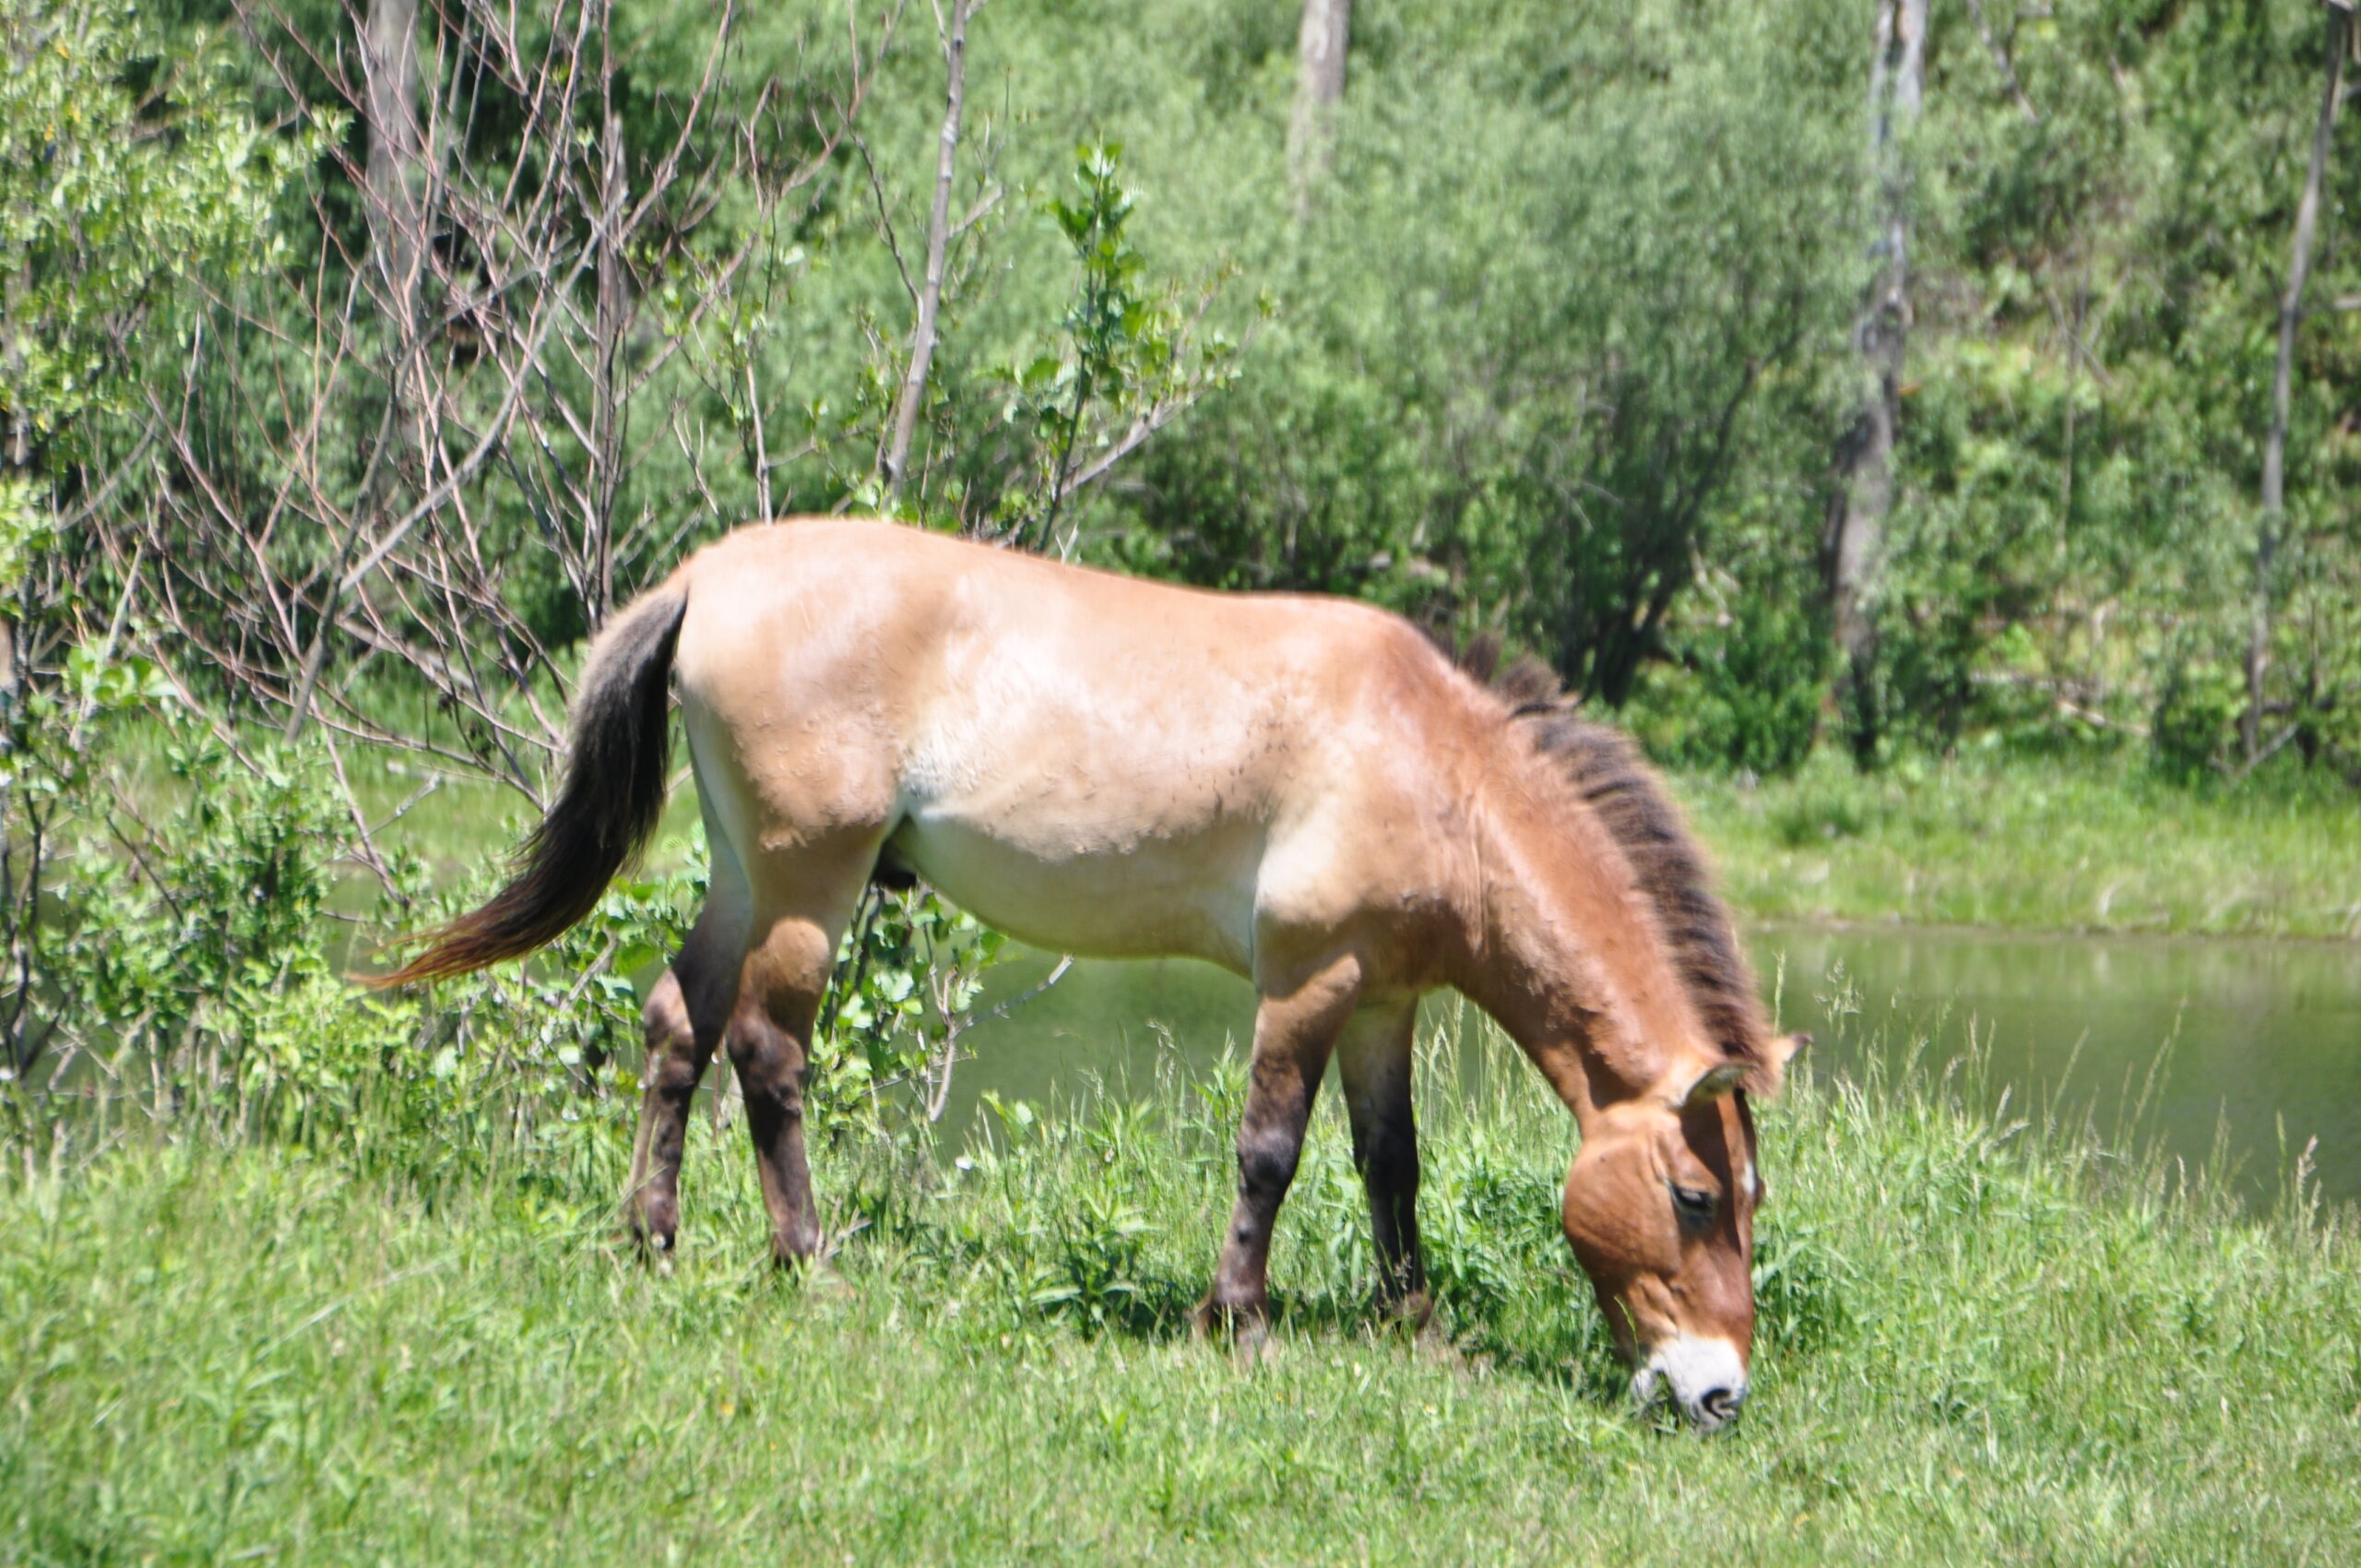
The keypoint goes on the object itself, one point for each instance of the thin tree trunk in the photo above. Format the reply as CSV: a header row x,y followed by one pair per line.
x,y
613,315
2275,446
938,242
1320,86
2004,65
397,224
1853,545
20,458
389,66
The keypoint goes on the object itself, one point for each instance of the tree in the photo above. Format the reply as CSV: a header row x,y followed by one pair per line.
x,y
926,309
1854,543
126,174
419,449
2290,313
1320,85
388,104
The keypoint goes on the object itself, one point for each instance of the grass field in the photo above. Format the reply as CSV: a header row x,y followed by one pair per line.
x,y
1980,1343
2040,844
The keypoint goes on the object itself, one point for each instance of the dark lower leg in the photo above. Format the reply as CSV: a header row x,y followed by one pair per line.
x,y
676,1060
1389,1165
1292,1043
1269,1144
768,1053
1374,1068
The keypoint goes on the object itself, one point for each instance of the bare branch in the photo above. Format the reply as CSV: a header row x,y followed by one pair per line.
x,y
938,239
2004,63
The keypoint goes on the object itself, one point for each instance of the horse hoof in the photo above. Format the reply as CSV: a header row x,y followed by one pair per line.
x,y
653,1248
797,1258
1415,1312
1246,1329
1254,1344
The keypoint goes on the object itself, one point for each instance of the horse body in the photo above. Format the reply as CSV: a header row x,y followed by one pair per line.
x,y
1303,791
1093,765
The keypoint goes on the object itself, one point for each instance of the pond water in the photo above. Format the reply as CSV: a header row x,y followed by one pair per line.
x,y
2201,1038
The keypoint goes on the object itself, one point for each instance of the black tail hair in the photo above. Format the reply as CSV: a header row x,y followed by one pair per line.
x,y
605,811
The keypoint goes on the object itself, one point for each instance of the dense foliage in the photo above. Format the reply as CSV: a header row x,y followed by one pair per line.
x,y
1559,345
1564,349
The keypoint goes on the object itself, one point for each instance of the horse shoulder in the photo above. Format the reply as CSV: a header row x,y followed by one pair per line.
x,y
1378,847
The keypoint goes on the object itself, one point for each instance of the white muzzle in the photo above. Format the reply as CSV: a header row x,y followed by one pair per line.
x,y
1705,1377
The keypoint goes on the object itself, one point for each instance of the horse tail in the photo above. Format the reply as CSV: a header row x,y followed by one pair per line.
x,y
605,811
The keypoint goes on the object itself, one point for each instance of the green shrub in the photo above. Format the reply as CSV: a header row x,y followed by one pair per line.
x,y
2197,717
1741,696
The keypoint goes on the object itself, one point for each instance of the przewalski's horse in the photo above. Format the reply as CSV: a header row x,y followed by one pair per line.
x,y
1303,791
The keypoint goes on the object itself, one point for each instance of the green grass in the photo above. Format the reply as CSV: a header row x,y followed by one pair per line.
x,y
1980,1343
2035,843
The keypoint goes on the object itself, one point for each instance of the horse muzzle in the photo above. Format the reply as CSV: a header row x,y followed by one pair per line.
x,y
1706,1379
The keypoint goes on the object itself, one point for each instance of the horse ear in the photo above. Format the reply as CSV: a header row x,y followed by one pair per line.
x,y
1716,1082
1784,1047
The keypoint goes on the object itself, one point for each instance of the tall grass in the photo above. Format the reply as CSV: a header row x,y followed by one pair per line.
x,y
1980,1340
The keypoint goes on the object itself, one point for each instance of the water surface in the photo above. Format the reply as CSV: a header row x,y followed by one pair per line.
x,y
2199,1037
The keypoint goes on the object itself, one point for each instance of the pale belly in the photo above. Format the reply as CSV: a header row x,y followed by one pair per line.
x,y
1096,892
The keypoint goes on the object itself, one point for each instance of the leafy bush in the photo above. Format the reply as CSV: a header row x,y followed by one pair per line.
x,y
2197,716
909,973
1741,694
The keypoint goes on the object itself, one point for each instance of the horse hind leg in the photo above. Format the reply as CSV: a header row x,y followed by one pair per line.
x,y
769,1035
1373,1067
682,1020
668,1081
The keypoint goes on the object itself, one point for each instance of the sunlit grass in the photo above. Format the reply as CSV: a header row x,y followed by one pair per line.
x,y
2039,843
1980,1341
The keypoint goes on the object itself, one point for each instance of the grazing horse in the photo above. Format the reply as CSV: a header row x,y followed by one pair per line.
x,y
1303,791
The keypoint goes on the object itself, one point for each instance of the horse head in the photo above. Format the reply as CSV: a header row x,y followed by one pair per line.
x,y
1659,1207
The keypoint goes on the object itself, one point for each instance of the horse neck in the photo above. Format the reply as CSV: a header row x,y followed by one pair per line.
x,y
1572,962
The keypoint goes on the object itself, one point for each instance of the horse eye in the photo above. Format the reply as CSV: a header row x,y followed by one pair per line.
x,y
1695,1207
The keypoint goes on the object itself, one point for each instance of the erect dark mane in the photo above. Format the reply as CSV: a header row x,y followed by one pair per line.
x,y
1607,773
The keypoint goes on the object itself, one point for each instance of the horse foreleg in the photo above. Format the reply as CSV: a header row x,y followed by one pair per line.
x,y
1373,1062
1293,1034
